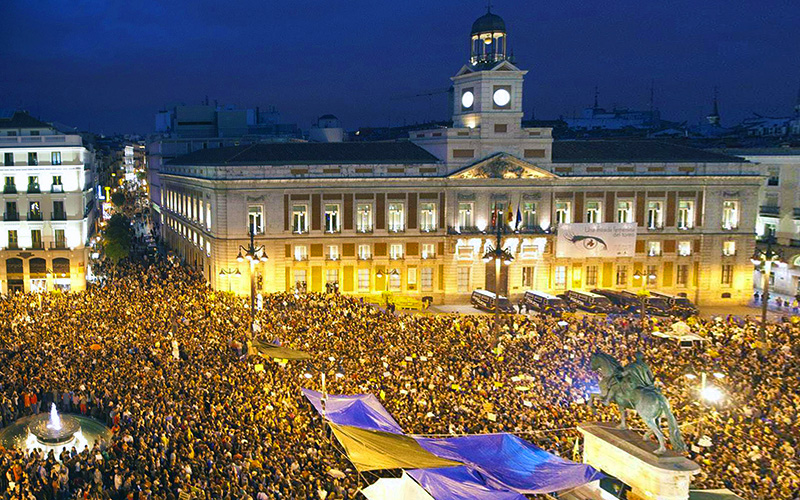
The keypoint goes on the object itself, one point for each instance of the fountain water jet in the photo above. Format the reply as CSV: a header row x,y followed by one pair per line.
x,y
52,429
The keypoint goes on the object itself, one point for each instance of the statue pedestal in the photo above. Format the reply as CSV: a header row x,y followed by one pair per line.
x,y
626,456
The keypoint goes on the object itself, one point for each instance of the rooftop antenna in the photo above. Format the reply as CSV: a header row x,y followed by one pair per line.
x,y
489,6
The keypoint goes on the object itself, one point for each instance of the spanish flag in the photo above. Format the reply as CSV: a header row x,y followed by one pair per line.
x,y
509,216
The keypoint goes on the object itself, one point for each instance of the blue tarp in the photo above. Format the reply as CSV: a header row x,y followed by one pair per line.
x,y
361,410
508,462
459,483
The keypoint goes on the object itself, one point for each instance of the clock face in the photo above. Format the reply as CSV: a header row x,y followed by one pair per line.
x,y
467,99
501,97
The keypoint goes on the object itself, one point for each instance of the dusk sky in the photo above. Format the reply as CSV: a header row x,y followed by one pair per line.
x,y
109,66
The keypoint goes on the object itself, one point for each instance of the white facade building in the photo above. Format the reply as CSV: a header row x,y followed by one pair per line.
x,y
48,206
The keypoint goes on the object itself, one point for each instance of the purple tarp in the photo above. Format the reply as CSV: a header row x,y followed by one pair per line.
x,y
360,410
459,483
508,462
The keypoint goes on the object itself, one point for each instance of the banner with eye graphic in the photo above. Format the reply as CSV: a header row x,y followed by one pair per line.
x,y
584,240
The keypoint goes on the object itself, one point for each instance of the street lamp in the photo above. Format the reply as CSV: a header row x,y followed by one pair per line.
x,y
500,256
380,274
253,254
646,280
308,374
710,394
229,272
763,259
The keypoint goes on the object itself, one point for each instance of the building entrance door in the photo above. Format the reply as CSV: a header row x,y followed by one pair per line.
x,y
490,268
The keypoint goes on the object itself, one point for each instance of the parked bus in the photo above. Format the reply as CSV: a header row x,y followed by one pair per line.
x,y
653,305
625,302
591,302
484,299
544,303
680,305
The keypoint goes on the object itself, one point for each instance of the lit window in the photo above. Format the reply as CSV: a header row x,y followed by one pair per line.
x,y
332,276
394,281
529,220
730,214
299,218
560,277
624,211
364,252
593,212
685,214
428,251
464,215
55,158
427,217
300,252
684,248
396,217
655,215
396,251
426,279
331,218
255,218
300,280
728,248
653,248
364,218
333,252
363,280
563,212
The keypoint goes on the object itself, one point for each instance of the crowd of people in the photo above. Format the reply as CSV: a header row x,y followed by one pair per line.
x,y
161,359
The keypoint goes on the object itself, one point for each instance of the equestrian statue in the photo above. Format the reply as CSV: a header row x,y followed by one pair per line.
x,y
633,387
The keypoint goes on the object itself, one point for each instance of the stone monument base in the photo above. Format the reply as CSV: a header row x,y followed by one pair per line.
x,y
626,456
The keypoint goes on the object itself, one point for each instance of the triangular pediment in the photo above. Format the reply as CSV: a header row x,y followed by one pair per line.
x,y
465,70
505,66
502,166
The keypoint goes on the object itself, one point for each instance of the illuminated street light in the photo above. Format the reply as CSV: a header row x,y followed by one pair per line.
x,y
763,259
253,254
646,280
500,256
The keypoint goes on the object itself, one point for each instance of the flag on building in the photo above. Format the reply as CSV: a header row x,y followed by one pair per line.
x,y
519,218
509,216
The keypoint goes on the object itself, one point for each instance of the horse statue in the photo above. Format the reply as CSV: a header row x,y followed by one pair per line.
x,y
632,387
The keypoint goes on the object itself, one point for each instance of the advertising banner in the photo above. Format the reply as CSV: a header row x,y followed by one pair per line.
x,y
584,240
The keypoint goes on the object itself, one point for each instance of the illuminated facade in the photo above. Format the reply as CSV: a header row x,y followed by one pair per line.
x,y
48,202
414,217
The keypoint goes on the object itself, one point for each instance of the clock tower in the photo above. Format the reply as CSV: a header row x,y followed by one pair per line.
x,y
488,90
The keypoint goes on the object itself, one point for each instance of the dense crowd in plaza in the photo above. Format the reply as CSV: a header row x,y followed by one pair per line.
x,y
193,418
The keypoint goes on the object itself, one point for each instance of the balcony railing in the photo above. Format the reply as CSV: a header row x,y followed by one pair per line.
x,y
364,230
57,188
34,188
469,230
12,216
769,210
12,245
58,245
34,216
59,216
9,189
37,245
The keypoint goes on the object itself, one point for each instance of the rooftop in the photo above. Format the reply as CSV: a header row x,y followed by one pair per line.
x,y
634,151
306,153
21,119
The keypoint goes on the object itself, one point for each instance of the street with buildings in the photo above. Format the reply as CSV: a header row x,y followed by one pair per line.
x,y
234,306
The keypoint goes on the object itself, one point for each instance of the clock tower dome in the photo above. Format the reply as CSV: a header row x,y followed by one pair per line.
x,y
488,90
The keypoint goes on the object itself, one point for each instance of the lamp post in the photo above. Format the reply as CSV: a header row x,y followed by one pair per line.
x,y
500,256
391,272
710,394
308,373
253,254
646,280
764,258
229,272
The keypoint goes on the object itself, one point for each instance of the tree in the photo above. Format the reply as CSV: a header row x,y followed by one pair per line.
x,y
118,237
118,198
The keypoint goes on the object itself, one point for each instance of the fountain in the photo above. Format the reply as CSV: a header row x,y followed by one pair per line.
x,y
52,429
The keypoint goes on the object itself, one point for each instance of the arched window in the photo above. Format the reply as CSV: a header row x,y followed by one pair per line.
x,y
14,266
796,262
38,268
61,267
